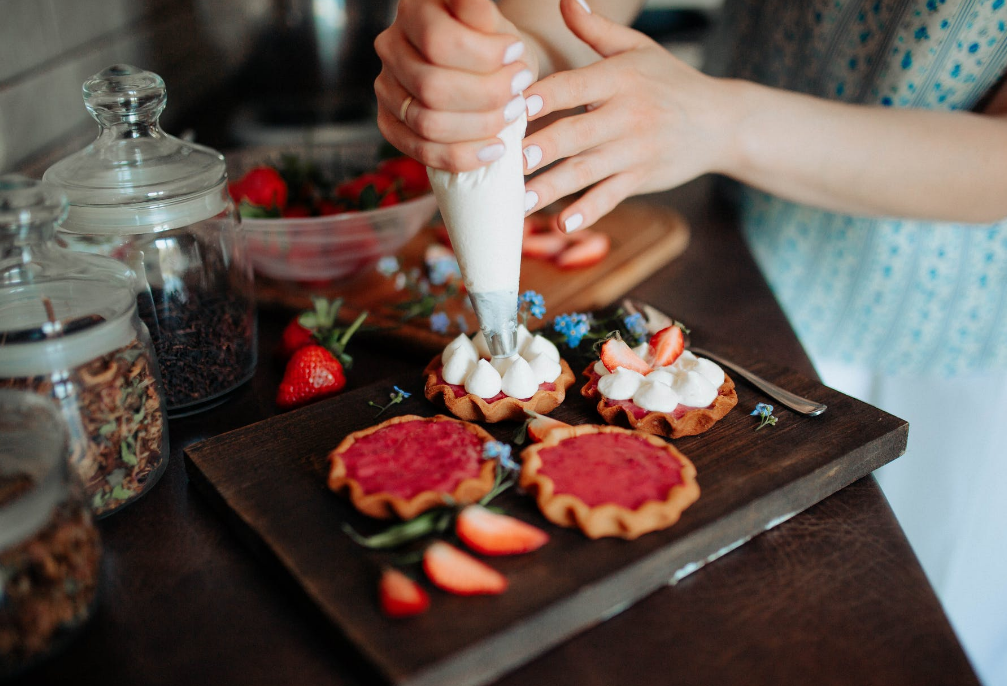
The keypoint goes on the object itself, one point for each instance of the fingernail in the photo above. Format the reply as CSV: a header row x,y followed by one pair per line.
x,y
491,152
583,3
513,52
532,155
573,222
534,104
521,81
530,200
514,108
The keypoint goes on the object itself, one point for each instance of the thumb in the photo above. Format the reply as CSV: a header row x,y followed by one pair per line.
x,y
481,15
604,35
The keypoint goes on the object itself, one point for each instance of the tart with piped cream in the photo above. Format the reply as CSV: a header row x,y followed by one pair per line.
x,y
410,464
659,388
608,481
475,387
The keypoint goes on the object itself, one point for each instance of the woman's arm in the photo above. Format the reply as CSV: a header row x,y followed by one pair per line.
x,y
654,123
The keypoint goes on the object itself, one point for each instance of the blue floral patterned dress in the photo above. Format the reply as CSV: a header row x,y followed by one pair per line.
x,y
893,295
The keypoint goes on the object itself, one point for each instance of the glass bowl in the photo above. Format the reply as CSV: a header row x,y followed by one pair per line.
x,y
336,246
328,247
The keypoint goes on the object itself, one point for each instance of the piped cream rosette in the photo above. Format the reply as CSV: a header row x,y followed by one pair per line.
x,y
535,378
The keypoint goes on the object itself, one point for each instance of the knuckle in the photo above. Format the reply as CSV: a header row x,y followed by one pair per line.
x,y
583,170
427,124
432,91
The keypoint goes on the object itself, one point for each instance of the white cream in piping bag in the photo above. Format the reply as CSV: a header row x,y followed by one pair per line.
x,y
484,214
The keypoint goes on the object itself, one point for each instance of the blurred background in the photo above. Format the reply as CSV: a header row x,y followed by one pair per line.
x,y
238,72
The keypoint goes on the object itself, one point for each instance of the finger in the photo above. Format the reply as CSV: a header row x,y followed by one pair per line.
x,y
571,136
576,173
445,41
481,15
455,157
567,90
439,125
596,203
450,89
604,35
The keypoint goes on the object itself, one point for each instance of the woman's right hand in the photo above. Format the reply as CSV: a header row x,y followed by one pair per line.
x,y
464,66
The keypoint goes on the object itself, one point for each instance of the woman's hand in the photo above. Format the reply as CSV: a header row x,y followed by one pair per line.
x,y
452,76
651,123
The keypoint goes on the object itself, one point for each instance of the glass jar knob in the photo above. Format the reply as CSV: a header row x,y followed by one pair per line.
x,y
27,207
123,93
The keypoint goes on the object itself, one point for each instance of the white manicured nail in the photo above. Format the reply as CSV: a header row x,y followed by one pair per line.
x,y
532,156
573,222
583,3
513,52
491,152
521,81
530,200
514,108
534,103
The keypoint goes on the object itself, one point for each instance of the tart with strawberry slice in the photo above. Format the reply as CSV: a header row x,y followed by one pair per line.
x,y
608,481
475,387
409,464
659,387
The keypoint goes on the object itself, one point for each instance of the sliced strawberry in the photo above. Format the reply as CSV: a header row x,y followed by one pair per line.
x,y
490,533
616,353
457,572
296,212
584,252
400,596
543,246
294,338
540,426
667,344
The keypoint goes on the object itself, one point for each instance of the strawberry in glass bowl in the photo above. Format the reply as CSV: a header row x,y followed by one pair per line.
x,y
327,213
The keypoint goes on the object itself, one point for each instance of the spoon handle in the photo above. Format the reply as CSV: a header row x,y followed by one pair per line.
x,y
791,400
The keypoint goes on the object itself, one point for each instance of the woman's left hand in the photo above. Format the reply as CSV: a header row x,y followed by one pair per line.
x,y
651,123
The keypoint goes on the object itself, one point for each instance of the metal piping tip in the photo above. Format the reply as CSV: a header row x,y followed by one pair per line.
x,y
497,314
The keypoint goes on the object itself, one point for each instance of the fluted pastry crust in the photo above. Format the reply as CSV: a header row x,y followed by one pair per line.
x,y
386,505
609,519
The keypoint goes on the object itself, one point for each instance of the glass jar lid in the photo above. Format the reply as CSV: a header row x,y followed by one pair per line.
x,y
50,297
135,178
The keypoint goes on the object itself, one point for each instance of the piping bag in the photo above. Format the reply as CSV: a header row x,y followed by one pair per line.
x,y
483,211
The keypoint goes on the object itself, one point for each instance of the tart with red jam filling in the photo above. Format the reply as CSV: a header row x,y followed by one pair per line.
x,y
472,387
609,481
409,464
649,389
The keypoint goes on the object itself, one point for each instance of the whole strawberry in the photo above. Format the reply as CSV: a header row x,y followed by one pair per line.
x,y
263,187
410,174
295,336
311,374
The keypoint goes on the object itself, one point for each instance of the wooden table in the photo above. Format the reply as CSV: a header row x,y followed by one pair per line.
x,y
832,596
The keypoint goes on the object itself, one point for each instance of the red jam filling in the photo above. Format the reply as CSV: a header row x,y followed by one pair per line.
x,y
460,391
409,458
633,408
611,468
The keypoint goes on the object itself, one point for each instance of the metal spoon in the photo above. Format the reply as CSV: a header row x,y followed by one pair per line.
x,y
657,320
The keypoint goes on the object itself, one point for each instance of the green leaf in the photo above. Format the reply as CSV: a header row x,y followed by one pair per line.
x,y
369,198
107,428
250,211
400,534
120,493
127,455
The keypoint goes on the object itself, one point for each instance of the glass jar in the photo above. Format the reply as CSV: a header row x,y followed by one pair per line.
x,y
70,331
49,548
161,205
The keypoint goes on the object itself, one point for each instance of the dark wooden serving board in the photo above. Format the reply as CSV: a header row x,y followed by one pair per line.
x,y
269,481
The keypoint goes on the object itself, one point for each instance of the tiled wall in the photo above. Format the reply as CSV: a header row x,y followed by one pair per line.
x,y
48,48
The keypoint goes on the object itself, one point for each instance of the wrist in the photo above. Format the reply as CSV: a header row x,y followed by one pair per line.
x,y
738,138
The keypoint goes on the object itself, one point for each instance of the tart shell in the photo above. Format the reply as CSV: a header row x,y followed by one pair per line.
x,y
472,408
696,420
609,519
384,505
